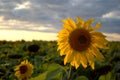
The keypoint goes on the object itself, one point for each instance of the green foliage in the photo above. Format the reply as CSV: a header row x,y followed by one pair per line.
x,y
108,76
48,64
81,78
41,76
53,71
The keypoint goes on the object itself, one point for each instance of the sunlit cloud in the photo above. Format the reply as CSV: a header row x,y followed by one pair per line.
x,y
13,35
113,14
1,18
23,30
44,16
113,36
24,5
24,25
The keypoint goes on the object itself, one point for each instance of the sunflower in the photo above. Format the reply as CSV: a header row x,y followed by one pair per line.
x,y
24,70
79,42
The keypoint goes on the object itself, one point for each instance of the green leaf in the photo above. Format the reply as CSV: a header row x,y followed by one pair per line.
x,y
54,71
40,77
81,78
55,74
108,76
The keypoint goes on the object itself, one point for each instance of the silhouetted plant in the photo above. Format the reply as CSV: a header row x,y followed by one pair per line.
x,y
33,48
95,74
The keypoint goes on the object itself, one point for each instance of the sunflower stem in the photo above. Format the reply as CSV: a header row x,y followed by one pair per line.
x,y
69,73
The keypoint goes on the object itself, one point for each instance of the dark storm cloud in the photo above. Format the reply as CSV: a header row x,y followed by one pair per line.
x,y
53,2
111,25
45,12
93,8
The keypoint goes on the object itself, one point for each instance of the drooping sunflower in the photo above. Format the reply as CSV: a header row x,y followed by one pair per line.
x,y
24,70
79,42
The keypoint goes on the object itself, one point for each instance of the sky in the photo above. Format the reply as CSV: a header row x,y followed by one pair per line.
x,y
41,19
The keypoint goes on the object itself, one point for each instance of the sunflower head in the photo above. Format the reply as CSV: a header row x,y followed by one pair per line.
x,y
79,39
79,42
24,70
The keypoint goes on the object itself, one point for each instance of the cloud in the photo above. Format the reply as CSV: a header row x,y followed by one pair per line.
x,y
113,36
13,35
49,9
1,18
25,5
110,25
24,25
113,14
33,15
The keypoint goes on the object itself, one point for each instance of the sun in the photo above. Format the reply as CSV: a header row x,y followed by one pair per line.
x,y
79,42
24,70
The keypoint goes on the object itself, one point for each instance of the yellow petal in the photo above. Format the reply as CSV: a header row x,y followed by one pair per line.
x,y
80,22
92,65
22,63
67,27
62,35
98,25
76,64
65,21
100,42
17,72
64,39
69,22
69,57
88,23
77,60
65,50
62,46
83,60
72,63
96,52
90,58
16,68
98,35
72,23
63,32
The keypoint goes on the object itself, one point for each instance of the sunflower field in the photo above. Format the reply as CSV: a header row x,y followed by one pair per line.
x,y
47,64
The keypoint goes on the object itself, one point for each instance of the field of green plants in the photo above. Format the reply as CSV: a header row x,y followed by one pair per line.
x,y
48,64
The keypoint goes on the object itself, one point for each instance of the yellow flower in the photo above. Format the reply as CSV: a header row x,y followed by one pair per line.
x,y
79,43
24,70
